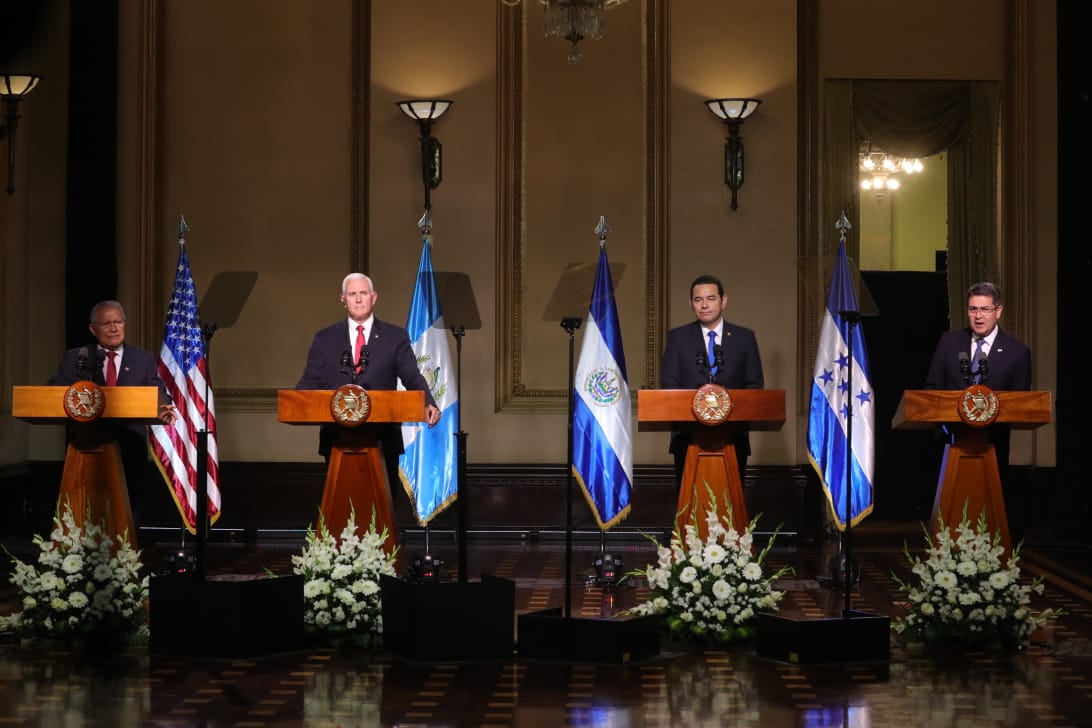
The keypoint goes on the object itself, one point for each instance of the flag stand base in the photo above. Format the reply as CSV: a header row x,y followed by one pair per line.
x,y
856,637
549,635
435,621
226,616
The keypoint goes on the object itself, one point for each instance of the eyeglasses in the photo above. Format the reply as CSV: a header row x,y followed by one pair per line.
x,y
972,310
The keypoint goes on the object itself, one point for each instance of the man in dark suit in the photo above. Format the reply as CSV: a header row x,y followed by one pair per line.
x,y
686,364
363,350
984,354
111,362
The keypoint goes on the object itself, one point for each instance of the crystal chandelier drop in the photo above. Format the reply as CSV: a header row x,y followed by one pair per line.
x,y
879,169
573,20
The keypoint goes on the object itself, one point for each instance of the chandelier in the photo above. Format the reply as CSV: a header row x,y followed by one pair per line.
x,y
573,20
879,169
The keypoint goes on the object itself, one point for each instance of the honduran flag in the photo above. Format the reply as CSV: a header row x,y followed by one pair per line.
x,y
832,403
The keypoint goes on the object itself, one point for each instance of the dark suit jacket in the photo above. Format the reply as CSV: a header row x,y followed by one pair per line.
x,y
1009,363
390,358
742,367
139,368
1009,370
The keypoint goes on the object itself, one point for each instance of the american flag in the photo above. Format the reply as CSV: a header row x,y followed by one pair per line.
x,y
183,367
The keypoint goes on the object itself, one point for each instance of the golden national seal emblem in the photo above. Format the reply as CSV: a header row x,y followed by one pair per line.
x,y
978,406
84,401
350,405
712,404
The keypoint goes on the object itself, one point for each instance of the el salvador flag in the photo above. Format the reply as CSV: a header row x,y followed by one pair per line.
x,y
831,402
602,421
428,466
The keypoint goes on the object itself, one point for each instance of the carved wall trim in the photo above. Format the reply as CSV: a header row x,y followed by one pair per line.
x,y
1017,209
511,391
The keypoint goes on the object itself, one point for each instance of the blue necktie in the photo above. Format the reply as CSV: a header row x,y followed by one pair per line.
x,y
977,353
712,356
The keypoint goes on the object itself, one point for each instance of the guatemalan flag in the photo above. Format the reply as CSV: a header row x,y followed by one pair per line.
x,y
184,369
831,402
602,423
428,467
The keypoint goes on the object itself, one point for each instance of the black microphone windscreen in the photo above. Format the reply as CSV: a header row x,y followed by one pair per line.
x,y
963,357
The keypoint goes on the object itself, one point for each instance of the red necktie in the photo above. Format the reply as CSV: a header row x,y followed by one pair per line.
x,y
111,369
359,344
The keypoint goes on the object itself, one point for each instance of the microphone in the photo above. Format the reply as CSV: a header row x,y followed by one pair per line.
x,y
965,367
363,358
702,362
718,357
346,363
81,360
983,368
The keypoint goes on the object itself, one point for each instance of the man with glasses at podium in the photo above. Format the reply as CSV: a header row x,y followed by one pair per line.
x,y
113,363
982,353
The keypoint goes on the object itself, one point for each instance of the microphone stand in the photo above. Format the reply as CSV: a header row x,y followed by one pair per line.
x,y
458,331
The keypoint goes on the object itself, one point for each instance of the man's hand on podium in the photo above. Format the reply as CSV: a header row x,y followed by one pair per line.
x,y
168,414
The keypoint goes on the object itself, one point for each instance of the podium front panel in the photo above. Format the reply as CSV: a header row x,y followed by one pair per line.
x,y
45,404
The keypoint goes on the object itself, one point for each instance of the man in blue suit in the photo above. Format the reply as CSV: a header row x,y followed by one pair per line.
x,y
686,362
982,353
361,349
1008,361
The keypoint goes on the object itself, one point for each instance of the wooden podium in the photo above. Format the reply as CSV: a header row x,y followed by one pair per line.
x,y
356,475
93,482
969,473
711,456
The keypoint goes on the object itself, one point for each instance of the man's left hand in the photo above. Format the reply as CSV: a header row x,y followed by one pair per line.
x,y
432,414
168,414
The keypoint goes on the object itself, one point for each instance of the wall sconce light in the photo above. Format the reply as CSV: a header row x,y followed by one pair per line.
x,y
425,112
13,87
732,112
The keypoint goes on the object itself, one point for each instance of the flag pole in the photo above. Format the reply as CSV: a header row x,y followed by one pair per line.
x,y
201,507
852,318
570,324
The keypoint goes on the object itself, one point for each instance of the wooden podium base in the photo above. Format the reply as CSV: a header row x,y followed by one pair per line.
x,y
712,469
356,480
93,485
970,476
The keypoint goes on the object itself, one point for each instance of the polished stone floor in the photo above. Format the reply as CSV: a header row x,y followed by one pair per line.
x,y
1048,684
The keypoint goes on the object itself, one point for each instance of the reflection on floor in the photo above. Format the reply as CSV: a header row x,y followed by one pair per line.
x,y
1049,684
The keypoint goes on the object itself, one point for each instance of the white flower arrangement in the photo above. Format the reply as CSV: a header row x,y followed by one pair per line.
x,y
710,591
964,596
86,587
341,583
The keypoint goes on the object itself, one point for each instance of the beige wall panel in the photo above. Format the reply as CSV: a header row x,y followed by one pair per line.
x,y
934,39
255,153
753,249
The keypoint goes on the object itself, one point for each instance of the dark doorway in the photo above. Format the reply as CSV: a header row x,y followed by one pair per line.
x,y
913,313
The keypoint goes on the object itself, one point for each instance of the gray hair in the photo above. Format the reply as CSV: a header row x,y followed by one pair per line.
x,y
106,304
354,276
